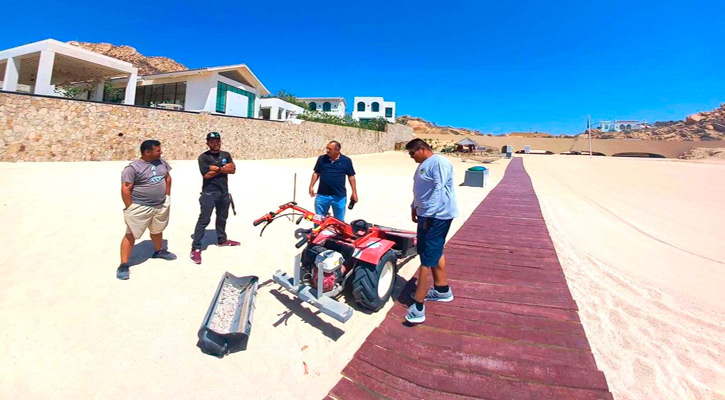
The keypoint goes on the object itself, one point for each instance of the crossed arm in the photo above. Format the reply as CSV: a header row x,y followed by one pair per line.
x,y
226,169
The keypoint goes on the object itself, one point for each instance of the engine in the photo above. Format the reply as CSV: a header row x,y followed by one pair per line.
x,y
330,263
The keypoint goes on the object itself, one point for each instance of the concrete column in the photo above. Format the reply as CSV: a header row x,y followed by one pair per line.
x,y
97,94
45,73
273,113
130,96
12,72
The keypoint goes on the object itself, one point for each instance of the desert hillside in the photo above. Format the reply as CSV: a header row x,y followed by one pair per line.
x,y
145,65
706,125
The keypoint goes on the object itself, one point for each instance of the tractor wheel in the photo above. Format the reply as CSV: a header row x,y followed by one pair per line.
x,y
372,285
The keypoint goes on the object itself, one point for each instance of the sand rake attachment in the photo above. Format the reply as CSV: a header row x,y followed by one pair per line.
x,y
228,321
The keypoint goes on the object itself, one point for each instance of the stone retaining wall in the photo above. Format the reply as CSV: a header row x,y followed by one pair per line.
x,y
36,128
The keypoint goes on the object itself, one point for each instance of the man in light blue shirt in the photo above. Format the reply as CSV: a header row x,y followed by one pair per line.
x,y
434,207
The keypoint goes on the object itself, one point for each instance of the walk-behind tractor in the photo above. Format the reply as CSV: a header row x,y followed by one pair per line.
x,y
360,255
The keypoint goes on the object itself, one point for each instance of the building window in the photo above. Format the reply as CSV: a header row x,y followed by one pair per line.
x,y
621,126
221,98
388,112
326,106
279,113
169,93
114,95
361,106
376,106
313,106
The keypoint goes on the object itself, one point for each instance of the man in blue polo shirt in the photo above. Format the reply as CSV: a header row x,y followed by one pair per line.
x,y
331,169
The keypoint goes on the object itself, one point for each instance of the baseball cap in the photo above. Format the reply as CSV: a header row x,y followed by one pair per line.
x,y
213,135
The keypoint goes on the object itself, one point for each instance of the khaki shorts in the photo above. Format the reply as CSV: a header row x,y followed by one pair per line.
x,y
139,217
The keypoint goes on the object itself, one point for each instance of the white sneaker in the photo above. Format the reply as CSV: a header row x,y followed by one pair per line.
x,y
414,316
434,295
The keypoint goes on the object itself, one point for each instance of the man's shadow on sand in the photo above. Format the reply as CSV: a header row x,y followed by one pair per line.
x,y
142,251
209,238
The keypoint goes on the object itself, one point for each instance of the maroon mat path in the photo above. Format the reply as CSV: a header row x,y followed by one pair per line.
x,y
512,332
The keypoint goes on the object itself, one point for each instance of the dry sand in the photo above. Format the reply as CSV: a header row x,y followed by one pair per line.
x,y
72,330
641,243
639,240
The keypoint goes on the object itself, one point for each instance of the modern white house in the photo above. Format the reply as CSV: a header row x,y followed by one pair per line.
x,y
367,108
330,105
50,67
229,90
278,110
620,125
42,67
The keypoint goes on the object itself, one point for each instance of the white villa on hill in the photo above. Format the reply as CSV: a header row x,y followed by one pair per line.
x,y
330,105
53,68
229,90
50,67
367,108
278,110
620,125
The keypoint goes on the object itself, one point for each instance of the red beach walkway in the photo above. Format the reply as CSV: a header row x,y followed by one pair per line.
x,y
512,332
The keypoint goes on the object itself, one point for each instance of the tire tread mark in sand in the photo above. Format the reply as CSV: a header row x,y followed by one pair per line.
x,y
631,225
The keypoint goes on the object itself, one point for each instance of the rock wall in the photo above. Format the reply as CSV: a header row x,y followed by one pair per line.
x,y
36,128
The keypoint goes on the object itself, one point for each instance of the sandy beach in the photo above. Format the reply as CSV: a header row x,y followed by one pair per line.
x,y
640,242
72,330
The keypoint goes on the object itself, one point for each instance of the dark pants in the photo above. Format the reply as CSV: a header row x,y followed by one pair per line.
x,y
208,202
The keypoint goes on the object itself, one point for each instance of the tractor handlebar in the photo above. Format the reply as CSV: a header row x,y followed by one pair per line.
x,y
301,242
322,221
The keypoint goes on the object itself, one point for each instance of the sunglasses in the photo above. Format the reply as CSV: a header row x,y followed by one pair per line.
x,y
411,152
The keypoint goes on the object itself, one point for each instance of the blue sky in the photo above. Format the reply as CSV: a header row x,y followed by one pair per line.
x,y
493,66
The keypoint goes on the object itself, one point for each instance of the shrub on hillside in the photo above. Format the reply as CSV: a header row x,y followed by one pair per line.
x,y
377,124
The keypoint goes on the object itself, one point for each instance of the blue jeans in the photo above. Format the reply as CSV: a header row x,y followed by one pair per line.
x,y
323,203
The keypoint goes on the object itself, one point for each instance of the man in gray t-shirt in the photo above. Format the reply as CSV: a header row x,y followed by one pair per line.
x,y
145,191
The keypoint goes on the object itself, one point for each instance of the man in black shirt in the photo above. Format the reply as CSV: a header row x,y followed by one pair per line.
x,y
331,169
214,165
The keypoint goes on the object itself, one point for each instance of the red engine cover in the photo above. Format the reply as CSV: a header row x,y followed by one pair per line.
x,y
328,280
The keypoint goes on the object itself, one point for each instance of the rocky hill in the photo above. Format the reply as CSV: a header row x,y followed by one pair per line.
x,y
708,125
699,153
423,127
145,65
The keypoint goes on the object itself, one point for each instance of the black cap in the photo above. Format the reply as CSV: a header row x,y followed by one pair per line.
x,y
213,135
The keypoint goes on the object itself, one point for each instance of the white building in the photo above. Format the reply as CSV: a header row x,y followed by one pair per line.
x,y
229,90
278,110
42,66
330,105
367,108
620,125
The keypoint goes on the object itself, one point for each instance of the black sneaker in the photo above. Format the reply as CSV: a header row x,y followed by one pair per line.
x,y
122,272
164,254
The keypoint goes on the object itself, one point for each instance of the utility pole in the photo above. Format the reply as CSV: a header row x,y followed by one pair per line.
x,y
589,133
